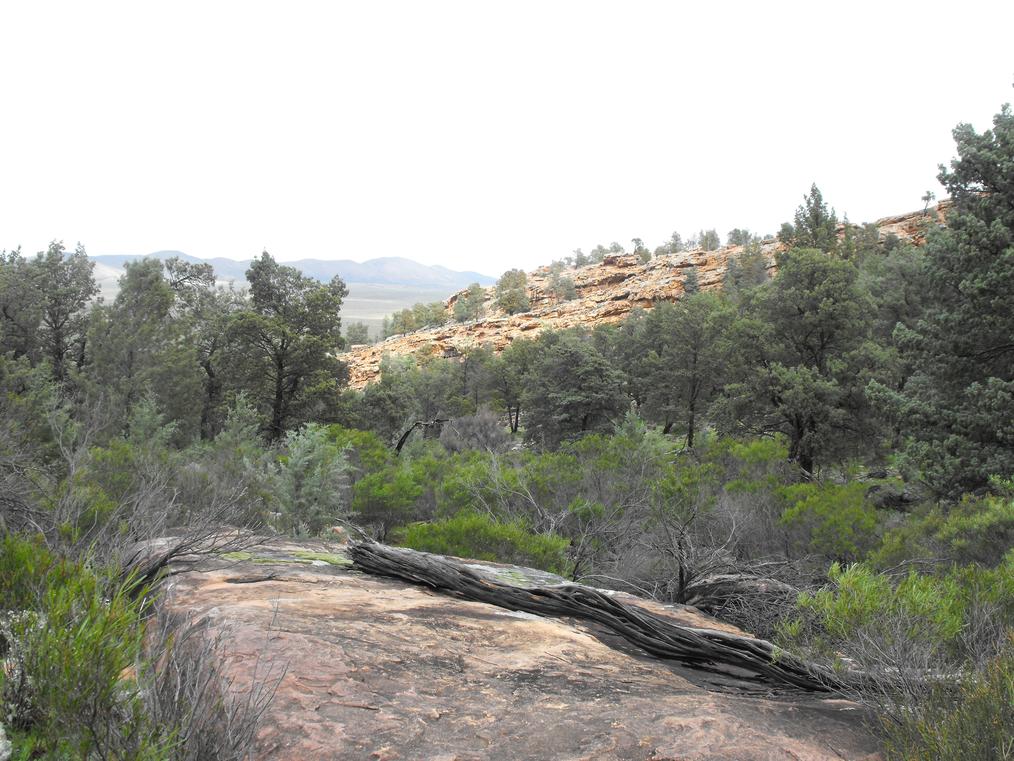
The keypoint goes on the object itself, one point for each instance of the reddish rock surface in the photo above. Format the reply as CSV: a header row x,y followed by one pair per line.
x,y
380,669
606,293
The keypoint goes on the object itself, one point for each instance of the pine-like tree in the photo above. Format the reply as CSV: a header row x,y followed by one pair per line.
x,y
959,404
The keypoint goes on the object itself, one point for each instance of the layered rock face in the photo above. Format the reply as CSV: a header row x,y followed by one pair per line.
x,y
381,669
606,293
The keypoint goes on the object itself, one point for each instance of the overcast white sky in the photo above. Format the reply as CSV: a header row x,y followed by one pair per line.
x,y
474,135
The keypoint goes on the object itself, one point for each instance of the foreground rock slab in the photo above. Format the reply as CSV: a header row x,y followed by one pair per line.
x,y
381,669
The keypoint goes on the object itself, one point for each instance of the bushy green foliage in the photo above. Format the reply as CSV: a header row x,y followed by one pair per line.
x,y
282,344
357,333
709,240
365,450
832,520
814,225
511,296
470,306
237,467
574,390
975,530
976,720
562,287
67,684
312,481
418,317
927,617
386,497
956,404
475,535
797,356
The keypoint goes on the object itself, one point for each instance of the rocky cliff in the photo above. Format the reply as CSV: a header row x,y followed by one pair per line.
x,y
376,668
606,292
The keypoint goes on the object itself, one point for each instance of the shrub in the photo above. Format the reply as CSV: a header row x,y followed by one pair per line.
x,y
834,519
81,676
477,536
469,306
482,431
312,481
385,498
975,723
67,681
906,642
976,530
510,292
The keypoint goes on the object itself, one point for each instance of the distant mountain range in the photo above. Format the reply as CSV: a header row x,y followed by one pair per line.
x,y
386,270
377,287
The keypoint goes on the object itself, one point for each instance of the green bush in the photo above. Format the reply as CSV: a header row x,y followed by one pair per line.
x,y
385,499
975,530
933,616
975,723
67,684
312,481
835,520
477,536
932,654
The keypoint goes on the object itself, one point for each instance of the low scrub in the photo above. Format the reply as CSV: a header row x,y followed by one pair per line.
x,y
473,535
86,672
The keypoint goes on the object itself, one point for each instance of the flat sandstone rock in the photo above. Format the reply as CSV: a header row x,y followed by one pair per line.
x,y
381,669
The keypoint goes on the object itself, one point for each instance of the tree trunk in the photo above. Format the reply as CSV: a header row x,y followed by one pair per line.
x,y
277,404
212,391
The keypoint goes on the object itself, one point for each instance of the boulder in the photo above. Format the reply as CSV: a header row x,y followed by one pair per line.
x,y
384,669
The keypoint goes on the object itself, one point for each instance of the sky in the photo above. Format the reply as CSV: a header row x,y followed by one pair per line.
x,y
475,135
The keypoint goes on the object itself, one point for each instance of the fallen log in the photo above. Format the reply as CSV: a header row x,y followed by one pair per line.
x,y
699,648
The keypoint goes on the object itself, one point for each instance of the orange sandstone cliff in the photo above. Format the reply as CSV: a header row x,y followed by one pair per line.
x,y
606,292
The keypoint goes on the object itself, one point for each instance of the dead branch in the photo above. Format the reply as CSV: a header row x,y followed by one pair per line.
x,y
699,648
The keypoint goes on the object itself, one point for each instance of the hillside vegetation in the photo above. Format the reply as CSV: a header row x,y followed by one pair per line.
x,y
820,450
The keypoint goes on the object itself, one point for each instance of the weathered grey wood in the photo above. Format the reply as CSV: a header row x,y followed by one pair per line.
x,y
661,637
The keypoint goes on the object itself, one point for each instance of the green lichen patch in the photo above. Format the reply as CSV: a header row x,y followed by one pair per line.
x,y
327,557
237,556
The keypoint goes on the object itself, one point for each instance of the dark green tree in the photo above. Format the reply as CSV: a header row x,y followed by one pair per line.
x,y
685,367
20,306
797,359
357,333
814,226
957,406
469,305
508,376
285,341
562,287
510,292
709,240
748,269
573,390
691,285
138,349
740,237
65,286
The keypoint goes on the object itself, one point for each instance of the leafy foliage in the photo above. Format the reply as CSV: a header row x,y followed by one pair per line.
x,y
835,519
511,296
284,342
473,535
470,306
961,351
312,480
